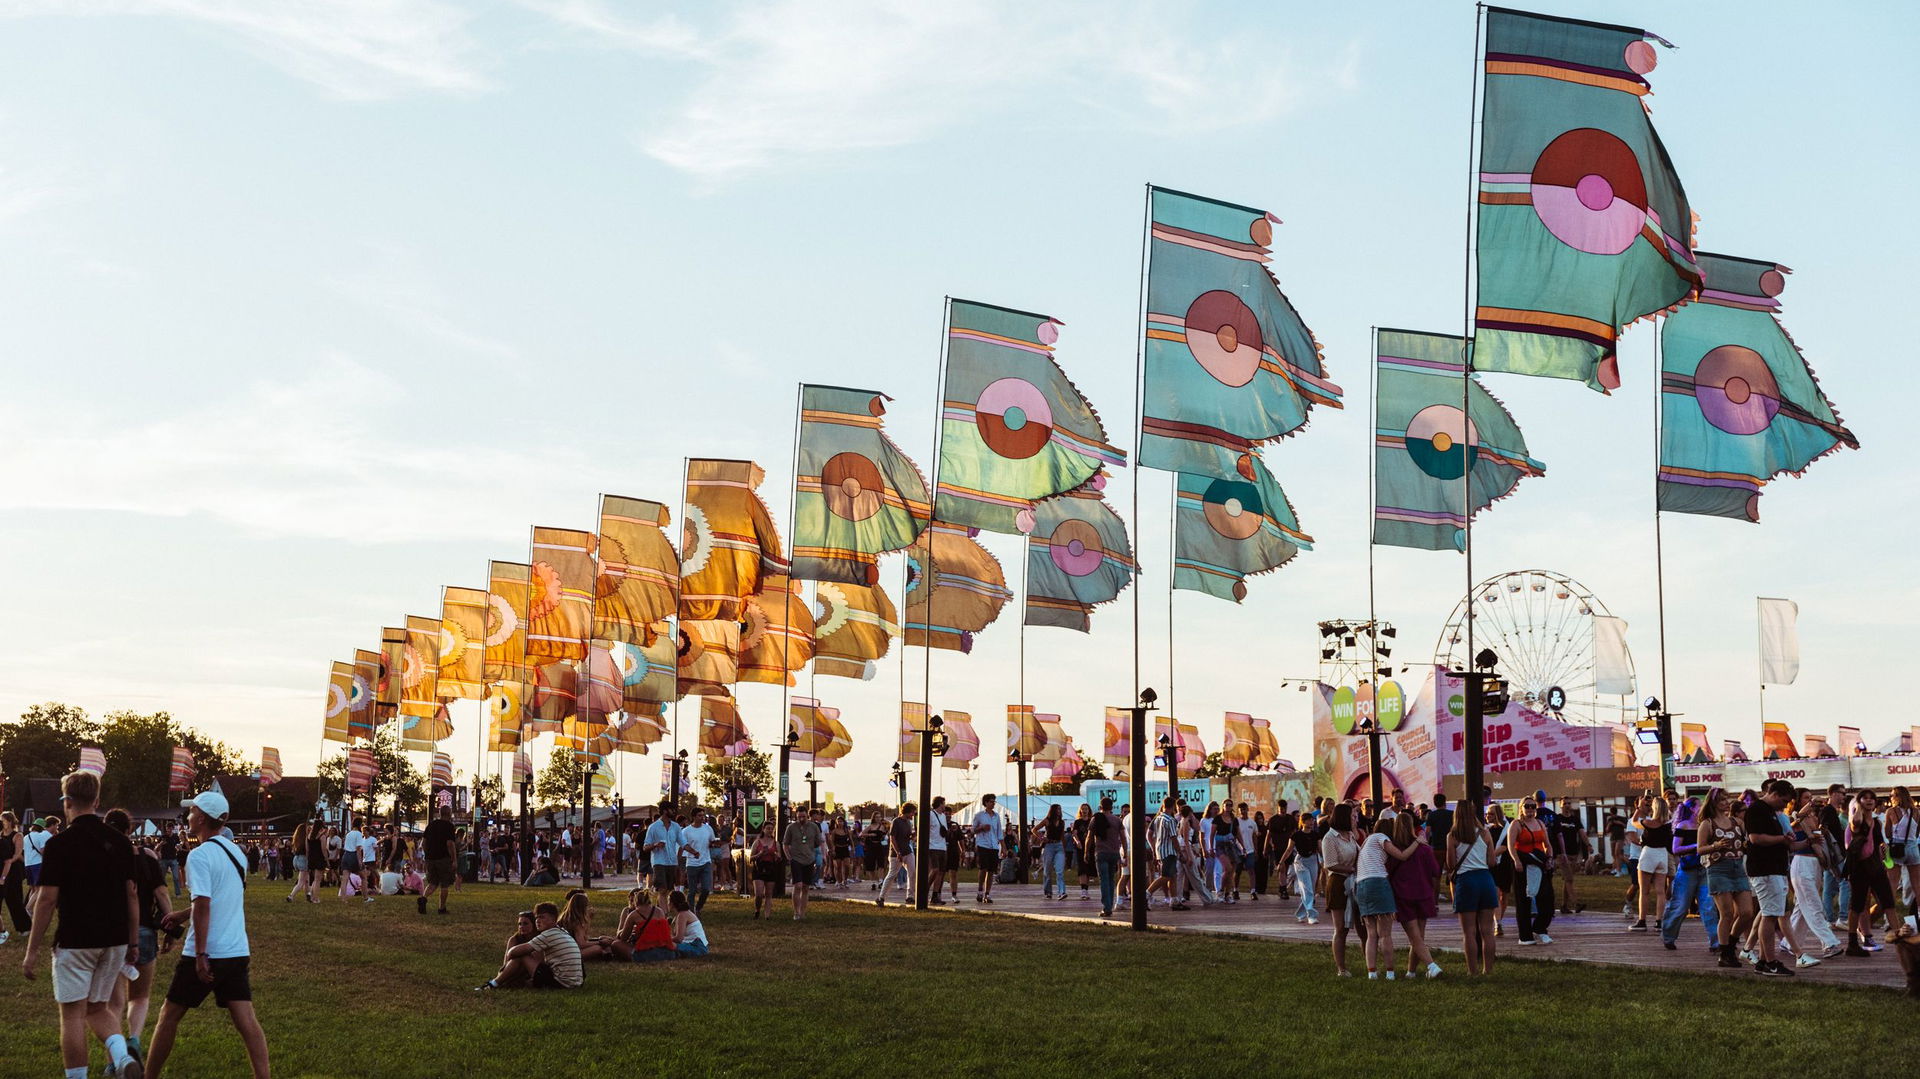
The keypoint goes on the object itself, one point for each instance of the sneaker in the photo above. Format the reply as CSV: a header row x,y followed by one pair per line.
x,y
1639,926
485,986
1870,944
1803,961
1855,951
1313,921
1671,946
1749,958
1389,975
1627,910
1729,961
1433,970
1829,953
1106,914
1180,906
1771,969
3,936
132,1069
1544,939
1525,941
1373,975
1343,974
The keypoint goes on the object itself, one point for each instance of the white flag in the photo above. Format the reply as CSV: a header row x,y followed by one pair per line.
x,y
1612,669
1779,641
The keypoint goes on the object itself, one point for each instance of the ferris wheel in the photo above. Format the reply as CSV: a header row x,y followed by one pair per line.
x,y
1540,625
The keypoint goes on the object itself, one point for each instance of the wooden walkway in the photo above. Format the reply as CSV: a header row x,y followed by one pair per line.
x,y
1587,937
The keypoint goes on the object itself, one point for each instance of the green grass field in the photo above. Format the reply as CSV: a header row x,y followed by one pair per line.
x,y
347,990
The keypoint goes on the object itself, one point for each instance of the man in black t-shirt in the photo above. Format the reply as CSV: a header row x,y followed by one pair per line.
x,y
1279,832
1767,855
438,846
900,853
86,876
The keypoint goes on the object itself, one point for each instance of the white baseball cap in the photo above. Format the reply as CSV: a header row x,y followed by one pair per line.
x,y
211,802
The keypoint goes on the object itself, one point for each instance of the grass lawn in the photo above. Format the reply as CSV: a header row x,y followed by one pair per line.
x,y
380,991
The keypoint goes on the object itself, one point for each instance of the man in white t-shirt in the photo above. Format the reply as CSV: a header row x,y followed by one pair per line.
x,y
938,823
988,832
696,843
350,861
215,956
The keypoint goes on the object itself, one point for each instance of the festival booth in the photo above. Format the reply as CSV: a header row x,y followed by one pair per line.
x,y
1264,791
1699,778
1813,773
1589,762
1883,772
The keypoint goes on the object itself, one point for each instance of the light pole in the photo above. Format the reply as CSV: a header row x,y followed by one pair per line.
x,y
1137,795
780,810
899,785
813,792
1483,688
1020,830
676,767
1663,729
933,743
584,842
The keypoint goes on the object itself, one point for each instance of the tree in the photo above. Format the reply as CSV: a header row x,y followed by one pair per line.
x,y
398,778
1060,788
560,782
488,794
748,776
45,744
1215,767
139,751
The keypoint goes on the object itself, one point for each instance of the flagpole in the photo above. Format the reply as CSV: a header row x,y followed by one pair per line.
x,y
1475,736
1373,496
926,580
679,621
1660,556
786,640
1139,422
1173,514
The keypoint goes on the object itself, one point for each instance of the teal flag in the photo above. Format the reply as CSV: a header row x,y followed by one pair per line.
x,y
1013,430
1226,530
1229,363
1077,558
1738,403
856,495
1584,227
1423,444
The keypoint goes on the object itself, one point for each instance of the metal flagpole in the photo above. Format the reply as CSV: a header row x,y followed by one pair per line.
x,y
1664,725
1139,406
926,583
1475,722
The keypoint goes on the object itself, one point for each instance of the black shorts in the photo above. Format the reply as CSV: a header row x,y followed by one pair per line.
x,y
230,983
663,877
767,871
989,860
1869,880
543,978
802,872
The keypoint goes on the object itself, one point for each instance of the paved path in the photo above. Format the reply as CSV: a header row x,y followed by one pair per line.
x,y
1588,937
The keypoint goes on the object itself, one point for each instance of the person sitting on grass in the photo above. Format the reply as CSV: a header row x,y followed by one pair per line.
x,y
523,929
551,960
576,917
689,933
647,927
544,874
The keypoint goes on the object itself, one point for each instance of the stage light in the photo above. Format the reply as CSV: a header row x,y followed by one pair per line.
x,y
1328,629
1350,642
1326,653
1653,704
1148,697
1385,651
1303,687
1389,632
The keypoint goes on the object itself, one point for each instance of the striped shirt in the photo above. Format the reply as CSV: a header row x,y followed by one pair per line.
x,y
558,950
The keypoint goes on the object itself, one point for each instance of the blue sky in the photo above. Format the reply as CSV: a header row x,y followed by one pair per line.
x,y
314,308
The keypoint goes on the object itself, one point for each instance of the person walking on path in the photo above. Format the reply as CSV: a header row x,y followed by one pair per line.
x,y
1903,845
132,996
1530,843
1690,891
1723,846
441,849
1654,866
215,956
1804,874
86,879
1866,876
1164,836
939,838
989,832
304,870
696,842
662,846
764,857
349,861
1303,846
1767,856
801,844
1053,853
1106,837
900,854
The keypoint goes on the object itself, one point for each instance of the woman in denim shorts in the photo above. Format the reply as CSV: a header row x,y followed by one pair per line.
x,y
1723,849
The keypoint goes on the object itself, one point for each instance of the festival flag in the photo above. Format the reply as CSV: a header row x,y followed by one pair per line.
x,y
728,539
463,652
1226,530
1077,558
776,633
808,718
1240,747
648,673
1779,641
1738,403
639,575
1229,363
600,784
362,707
420,676
560,593
393,666
857,495
1850,742
556,691
854,626
339,700
1816,745
1116,751
955,588
1584,227
1266,750
1186,739
1424,446
1053,738
521,772
1776,742
1013,429
425,733
92,760
963,745
1693,742
1283,766
1612,666
506,714
180,771
270,772
722,732
1025,738
839,741
440,772
603,694
362,769
1066,768
709,655
913,720
1734,751
638,729
509,592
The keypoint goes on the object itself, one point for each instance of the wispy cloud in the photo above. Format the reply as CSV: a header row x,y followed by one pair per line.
x,y
357,49
314,456
597,22
792,80
392,281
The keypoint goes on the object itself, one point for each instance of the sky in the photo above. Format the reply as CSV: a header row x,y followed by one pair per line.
x,y
313,308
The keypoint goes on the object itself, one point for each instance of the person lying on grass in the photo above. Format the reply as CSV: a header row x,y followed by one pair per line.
x,y
551,960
